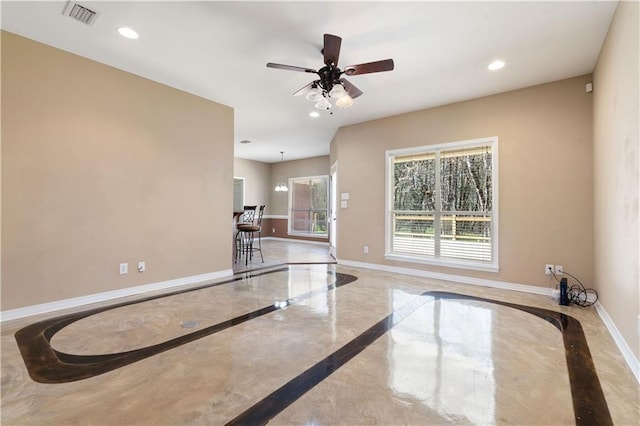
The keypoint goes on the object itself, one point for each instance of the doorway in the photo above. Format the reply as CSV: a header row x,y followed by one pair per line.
x,y
333,213
238,194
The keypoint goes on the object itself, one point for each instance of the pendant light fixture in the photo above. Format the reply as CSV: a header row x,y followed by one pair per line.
x,y
281,185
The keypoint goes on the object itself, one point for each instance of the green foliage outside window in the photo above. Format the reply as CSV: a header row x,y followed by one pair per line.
x,y
309,205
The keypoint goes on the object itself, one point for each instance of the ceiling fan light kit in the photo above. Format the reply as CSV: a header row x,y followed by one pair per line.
x,y
314,94
323,103
338,92
330,85
344,102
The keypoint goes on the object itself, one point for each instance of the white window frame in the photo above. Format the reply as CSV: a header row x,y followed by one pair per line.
x,y
493,266
289,209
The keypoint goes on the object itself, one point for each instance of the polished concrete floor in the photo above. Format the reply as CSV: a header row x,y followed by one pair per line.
x,y
278,252
316,344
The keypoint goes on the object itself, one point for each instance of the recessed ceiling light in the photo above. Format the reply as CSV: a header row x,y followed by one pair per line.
x,y
314,114
496,65
128,33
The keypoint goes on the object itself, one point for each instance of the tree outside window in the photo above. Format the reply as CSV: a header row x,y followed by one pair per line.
x,y
308,206
441,201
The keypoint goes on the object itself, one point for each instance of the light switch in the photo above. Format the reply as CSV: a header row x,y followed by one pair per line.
x,y
344,196
343,204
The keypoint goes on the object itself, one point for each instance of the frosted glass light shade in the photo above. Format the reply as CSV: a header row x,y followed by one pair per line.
x,y
338,92
314,95
323,104
344,101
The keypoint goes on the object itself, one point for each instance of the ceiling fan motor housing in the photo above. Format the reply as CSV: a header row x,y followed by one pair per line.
x,y
329,77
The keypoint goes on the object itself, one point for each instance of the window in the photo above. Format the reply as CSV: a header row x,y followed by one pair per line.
x,y
308,206
238,194
442,204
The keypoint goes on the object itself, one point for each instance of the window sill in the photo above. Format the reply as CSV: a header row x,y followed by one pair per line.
x,y
485,267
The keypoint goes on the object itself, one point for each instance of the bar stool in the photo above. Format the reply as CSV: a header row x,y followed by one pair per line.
x,y
248,215
246,236
247,218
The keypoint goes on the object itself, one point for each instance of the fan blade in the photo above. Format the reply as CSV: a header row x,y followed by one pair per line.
x,y
290,68
352,90
369,67
331,49
305,89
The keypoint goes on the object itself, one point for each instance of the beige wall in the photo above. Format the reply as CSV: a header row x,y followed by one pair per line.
x,y
545,177
316,166
100,167
616,173
257,182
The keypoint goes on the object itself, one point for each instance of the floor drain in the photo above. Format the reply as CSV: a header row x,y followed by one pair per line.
x,y
189,324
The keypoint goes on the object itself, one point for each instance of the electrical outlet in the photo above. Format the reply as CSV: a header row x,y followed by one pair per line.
x,y
124,268
548,269
559,269
273,230
142,266
365,249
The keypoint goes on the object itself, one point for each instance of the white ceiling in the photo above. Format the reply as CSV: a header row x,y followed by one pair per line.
x,y
218,50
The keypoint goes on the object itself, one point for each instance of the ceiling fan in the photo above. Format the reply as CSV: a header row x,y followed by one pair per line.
x,y
330,83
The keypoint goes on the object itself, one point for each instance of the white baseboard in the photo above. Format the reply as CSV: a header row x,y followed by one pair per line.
x,y
626,351
294,240
450,277
27,311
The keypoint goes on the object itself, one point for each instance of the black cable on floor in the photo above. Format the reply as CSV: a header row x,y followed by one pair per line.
x,y
577,293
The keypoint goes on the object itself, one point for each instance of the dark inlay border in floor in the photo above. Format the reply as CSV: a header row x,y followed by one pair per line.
x,y
589,404
251,268
47,365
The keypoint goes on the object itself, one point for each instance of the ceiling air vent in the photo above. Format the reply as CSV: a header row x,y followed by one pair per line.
x,y
80,13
